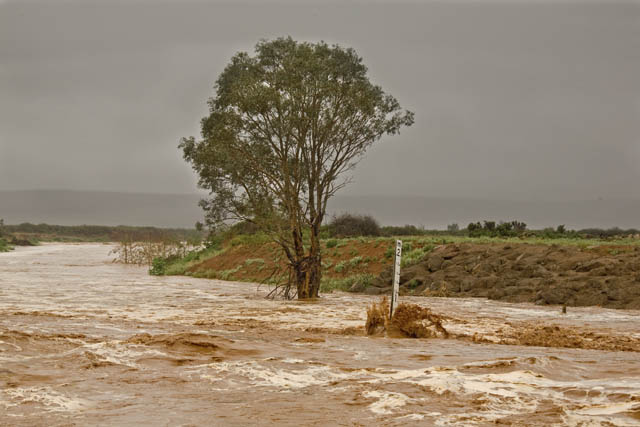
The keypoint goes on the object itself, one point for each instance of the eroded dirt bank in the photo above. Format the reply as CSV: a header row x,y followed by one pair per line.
x,y
607,276
87,342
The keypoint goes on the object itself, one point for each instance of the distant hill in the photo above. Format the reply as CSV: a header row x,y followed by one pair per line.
x,y
99,208
181,210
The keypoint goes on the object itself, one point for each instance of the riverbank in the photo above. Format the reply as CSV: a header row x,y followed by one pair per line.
x,y
573,272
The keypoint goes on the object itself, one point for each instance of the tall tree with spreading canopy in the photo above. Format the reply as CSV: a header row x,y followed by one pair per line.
x,y
284,128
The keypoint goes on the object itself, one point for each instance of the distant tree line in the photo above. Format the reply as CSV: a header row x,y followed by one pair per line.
x,y
102,232
501,229
354,225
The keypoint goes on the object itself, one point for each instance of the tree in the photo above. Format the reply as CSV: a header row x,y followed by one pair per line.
x,y
350,225
283,129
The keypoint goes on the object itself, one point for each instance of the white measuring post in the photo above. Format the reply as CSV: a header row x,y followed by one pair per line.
x,y
396,278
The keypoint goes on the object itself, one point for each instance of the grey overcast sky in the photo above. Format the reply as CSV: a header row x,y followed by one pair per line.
x,y
513,100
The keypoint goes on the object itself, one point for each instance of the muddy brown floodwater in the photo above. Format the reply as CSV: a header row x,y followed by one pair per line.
x,y
87,342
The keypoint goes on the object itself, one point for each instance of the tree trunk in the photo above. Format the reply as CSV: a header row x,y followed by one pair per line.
x,y
308,271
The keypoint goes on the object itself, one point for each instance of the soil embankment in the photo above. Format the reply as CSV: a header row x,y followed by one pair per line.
x,y
607,276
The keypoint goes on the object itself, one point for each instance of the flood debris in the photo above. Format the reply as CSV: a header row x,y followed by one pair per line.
x,y
414,321
409,320
377,317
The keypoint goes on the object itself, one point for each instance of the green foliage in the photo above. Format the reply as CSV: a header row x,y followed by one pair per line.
x,y
4,245
226,274
158,267
414,256
332,243
502,229
179,266
345,284
608,233
340,267
283,128
453,228
255,261
355,261
390,252
350,225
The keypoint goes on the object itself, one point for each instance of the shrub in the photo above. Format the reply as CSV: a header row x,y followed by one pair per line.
x,y
502,229
405,230
361,280
349,225
332,243
158,267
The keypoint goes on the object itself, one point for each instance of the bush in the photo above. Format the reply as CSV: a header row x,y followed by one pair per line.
x,y
349,225
405,230
491,229
332,243
4,245
361,280
243,227
158,267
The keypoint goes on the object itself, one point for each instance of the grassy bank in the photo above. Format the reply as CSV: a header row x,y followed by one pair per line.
x,y
345,262
5,246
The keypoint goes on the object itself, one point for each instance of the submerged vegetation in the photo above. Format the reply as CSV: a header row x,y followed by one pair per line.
x,y
4,245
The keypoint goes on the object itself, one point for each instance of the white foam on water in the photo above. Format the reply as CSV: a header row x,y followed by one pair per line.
x,y
264,376
387,401
518,392
414,417
52,400
9,344
121,354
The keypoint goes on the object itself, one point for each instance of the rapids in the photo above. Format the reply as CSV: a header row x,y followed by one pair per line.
x,y
84,341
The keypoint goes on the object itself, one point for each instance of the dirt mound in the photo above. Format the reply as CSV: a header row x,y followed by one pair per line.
x,y
413,321
409,320
607,276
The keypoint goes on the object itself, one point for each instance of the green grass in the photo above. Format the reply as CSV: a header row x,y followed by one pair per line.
x,y
329,285
331,243
177,267
415,249
414,256
5,246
